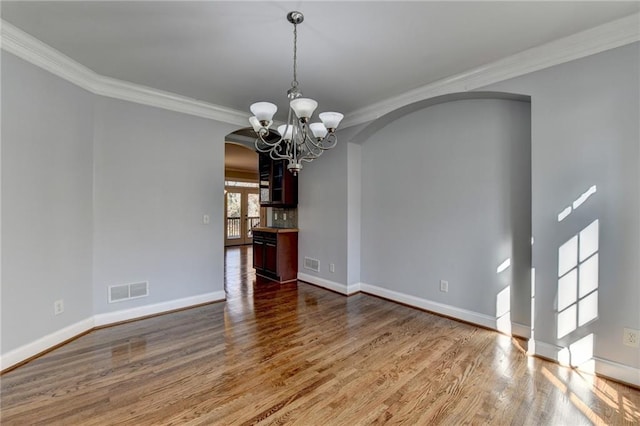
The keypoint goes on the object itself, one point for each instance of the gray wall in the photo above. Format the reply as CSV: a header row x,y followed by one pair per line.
x,y
584,133
46,202
95,192
322,212
156,174
445,195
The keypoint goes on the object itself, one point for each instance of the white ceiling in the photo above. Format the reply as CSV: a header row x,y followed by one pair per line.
x,y
350,54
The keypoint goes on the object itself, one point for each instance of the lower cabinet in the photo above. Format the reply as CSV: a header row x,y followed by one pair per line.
x,y
275,253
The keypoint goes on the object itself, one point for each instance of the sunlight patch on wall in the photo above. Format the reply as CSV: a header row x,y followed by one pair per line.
x,y
504,265
532,341
577,297
503,302
503,310
577,203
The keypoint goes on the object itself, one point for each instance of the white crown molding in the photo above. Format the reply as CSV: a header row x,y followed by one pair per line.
x,y
589,42
32,50
595,40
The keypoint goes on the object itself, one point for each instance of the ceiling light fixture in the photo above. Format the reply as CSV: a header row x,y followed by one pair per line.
x,y
298,140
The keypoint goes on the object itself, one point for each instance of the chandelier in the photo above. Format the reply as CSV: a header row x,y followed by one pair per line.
x,y
298,140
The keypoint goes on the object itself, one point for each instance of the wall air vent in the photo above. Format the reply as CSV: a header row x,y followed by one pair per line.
x,y
312,264
122,292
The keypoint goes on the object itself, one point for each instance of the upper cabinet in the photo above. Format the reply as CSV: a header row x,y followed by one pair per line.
x,y
278,186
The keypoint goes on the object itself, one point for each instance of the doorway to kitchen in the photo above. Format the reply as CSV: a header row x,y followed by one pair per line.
x,y
242,212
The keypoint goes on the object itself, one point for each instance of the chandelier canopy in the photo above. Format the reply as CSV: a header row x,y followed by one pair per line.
x,y
298,140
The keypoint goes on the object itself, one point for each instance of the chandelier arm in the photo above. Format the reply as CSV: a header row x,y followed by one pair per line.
x,y
309,159
260,149
321,144
270,145
312,151
276,156
332,138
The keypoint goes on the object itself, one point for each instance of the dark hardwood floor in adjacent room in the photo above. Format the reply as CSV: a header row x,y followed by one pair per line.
x,y
298,354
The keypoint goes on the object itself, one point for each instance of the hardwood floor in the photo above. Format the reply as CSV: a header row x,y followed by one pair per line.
x,y
297,354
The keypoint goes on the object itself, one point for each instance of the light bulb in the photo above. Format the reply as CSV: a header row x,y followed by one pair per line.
x,y
255,123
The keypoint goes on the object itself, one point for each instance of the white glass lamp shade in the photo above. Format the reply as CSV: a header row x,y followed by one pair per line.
x,y
255,124
263,111
303,107
330,119
318,130
289,132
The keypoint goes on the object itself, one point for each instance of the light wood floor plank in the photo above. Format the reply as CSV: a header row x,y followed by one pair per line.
x,y
295,354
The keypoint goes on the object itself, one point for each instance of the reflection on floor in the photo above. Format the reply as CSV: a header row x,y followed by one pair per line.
x,y
241,282
239,275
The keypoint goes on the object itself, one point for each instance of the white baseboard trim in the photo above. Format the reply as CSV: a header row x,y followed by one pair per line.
x,y
617,371
156,308
330,285
597,365
42,344
428,305
520,330
47,342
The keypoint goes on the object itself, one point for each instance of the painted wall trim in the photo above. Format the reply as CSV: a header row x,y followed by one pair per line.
x,y
428,305
156,308
49,341
520,330
32,50
589,42
600,366
330,285
43,344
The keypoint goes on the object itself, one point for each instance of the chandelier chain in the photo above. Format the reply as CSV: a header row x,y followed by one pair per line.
x,y
294,83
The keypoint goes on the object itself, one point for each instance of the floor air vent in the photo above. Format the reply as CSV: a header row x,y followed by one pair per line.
x,y
122,292
312,264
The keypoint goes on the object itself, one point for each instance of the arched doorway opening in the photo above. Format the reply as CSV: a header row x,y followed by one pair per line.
x,y
242,204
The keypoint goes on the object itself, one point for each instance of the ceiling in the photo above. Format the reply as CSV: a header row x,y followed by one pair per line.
x,y
350,54
240,158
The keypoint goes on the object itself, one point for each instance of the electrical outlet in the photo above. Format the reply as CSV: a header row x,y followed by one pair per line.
x,y
631,337
284,216
275,215
205,219
58,307
444,286
332,267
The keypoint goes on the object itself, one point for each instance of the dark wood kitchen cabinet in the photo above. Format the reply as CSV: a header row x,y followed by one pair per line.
x,y
278,186
275,253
